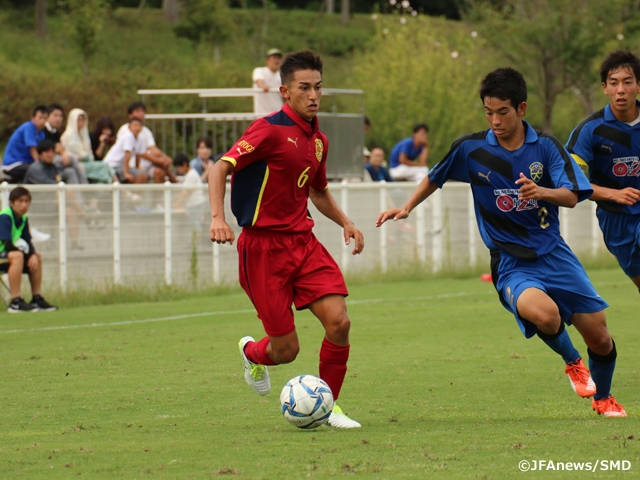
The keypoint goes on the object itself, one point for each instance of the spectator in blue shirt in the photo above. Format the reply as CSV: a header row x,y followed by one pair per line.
x,y
21,150
203,161
408,160
375,167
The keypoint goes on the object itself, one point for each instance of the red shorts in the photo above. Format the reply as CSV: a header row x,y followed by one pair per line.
x,y
277,270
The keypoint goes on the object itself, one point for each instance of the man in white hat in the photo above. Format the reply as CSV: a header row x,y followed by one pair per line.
x,y
264,79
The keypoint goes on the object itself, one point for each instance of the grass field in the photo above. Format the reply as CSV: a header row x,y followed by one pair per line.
x,y
440,377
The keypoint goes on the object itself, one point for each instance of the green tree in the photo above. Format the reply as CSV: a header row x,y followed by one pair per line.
x,y
557,44
205,22
87,19
41,18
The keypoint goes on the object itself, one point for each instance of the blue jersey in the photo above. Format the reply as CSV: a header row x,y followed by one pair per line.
x,y
378,175
404,146
611,150
17,151
526,229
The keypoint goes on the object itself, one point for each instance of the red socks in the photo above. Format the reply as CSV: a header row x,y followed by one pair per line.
x,y
333,365
256,352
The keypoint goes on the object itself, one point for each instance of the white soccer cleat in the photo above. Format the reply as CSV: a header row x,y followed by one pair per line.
x,y
257,376
338,419
37,236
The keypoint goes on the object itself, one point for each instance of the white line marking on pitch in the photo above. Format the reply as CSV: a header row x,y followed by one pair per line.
x,y
226,312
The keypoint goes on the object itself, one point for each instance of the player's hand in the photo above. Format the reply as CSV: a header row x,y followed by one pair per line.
x,y
626,196
221,232
529,189
350,231
394,213
33,263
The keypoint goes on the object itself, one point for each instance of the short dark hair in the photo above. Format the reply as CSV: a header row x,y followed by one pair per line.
x,y
136,120
104,122
18,193
45,145
206,140
619,59
54,106
302,60
40,108
505,84
421,126
181,159
136,106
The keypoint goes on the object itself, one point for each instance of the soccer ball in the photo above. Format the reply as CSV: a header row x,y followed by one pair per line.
x,y
306,401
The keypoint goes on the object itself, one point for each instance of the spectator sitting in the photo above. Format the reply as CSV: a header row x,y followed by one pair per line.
x,y
21,149
408,160
375,167
72,171
102,137
192,201
203,161
153,161
77,142
44,171
266,78
18,255
119,156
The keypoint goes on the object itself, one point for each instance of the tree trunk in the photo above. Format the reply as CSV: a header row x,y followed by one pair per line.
x,y
171,8
331,6
41,18
345,11
141,6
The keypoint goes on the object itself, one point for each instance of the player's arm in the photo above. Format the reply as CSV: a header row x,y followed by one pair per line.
x,y
626,196
419,195
326,205
530,190
220,231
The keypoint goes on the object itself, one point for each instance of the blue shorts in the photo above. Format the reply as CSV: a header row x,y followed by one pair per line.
x,y
622,237
558,273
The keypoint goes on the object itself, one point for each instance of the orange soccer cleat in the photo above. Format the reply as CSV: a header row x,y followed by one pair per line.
x,y
608,407
580,379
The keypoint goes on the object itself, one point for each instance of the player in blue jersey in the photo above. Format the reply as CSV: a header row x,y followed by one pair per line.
x,y
519,177
606,145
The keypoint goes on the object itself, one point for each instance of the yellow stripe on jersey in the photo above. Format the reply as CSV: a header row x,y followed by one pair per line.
x,y
582,164
264,184
232,161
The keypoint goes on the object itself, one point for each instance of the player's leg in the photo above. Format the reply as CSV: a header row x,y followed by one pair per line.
x,y
320,287
264,270
602,360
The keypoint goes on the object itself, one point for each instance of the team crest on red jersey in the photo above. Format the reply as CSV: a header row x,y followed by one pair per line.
x,y
535,169
319,149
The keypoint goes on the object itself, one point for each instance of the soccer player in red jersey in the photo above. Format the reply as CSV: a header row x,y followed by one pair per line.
x,y
276,166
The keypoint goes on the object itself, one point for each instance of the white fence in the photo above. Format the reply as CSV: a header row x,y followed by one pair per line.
x,y
139,235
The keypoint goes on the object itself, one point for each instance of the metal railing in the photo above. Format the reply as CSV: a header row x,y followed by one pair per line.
x,y
140,235
179,132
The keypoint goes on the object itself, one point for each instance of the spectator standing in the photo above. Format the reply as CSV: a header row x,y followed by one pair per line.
x,y
18,255
192,201
153,162
203,161
265,78
76,142
408,160
375,168
21,150
102,137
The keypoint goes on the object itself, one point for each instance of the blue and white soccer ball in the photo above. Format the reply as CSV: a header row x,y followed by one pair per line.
x,y
306,401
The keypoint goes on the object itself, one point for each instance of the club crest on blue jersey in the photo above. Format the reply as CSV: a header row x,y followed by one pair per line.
x,y
535,169
319,149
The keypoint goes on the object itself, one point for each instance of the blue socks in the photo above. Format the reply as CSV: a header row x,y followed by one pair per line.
x,y
561,344
601,367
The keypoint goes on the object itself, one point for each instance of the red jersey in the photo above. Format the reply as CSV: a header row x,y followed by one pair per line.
x,y
276,161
